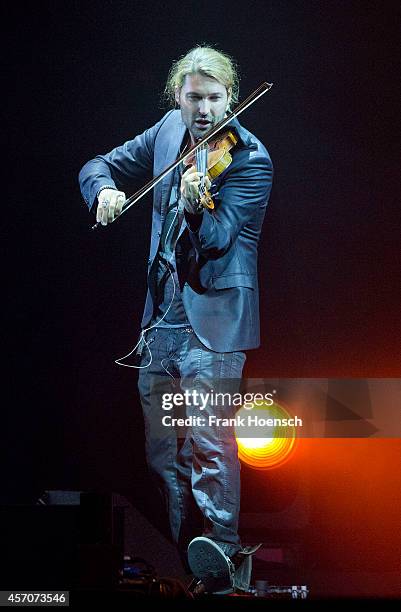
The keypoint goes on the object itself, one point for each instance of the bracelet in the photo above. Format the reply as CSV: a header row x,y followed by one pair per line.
x,y
106,187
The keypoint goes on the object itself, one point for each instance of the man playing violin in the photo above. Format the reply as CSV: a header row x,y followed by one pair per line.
x,y
202,306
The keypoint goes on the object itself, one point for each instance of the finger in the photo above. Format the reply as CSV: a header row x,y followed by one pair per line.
x,y
192,171
194,179
194,185
104,212
119,203
191,191
111,208
194,192
191,185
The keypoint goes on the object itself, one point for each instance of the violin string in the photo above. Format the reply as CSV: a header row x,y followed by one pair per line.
x,y
260,91
201,165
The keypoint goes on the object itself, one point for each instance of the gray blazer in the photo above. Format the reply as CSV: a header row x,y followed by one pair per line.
x,y
220,291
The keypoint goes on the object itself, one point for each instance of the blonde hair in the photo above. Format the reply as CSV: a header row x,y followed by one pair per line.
x,y
206,61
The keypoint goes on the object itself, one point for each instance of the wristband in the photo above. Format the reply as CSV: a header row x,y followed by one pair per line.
x,y
106,187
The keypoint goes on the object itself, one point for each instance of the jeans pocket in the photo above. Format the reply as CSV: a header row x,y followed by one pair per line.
x,y
237,363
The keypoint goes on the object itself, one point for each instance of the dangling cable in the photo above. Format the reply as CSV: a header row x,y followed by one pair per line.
x,y
156,323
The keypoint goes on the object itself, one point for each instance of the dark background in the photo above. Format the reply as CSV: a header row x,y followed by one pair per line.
x,y
85,77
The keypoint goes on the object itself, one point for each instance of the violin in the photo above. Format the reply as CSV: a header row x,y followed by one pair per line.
x,y
212,158
214,167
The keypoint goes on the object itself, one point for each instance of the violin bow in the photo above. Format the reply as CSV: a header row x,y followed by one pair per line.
x,y
260,91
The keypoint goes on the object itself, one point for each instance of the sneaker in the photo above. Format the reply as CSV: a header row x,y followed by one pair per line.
x,y
211,566
196,588
242,561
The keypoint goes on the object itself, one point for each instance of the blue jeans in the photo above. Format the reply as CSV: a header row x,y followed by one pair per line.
x,y
198,472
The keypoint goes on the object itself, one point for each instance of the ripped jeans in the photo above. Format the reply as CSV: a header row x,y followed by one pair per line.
x,y
196,468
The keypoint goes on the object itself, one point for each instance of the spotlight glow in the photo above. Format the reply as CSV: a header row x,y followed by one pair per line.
x,y
272,450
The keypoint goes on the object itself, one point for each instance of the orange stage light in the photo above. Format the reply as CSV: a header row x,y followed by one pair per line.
x,y
265,447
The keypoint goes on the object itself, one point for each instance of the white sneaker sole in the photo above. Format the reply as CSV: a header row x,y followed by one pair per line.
x,y
209,563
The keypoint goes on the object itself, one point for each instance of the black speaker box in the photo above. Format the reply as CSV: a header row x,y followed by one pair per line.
x,y
67,540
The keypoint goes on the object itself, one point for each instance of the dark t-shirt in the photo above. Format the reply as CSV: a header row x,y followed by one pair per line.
x,y
170,255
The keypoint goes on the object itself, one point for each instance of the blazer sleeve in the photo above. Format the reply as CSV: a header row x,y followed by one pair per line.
x,y
245,189
131,161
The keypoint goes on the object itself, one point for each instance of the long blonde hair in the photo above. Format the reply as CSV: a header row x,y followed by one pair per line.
x,y
206,61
